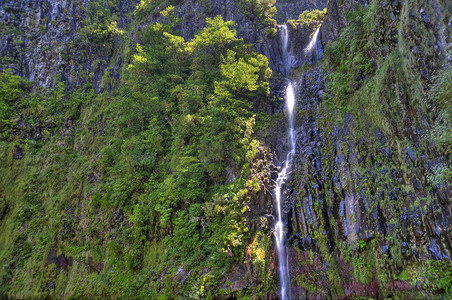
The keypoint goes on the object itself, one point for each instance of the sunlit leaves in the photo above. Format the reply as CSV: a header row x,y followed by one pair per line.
x,y
215,36
241,76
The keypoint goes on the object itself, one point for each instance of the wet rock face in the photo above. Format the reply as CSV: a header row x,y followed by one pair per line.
x,y
359,190
61,261
335,19
43,41
300,36
360,203
19,152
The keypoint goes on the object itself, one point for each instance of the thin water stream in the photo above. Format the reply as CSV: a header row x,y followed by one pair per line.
x,y
283,261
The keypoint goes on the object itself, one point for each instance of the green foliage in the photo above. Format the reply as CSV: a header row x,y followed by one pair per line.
x,y
264,10
246,78
347,58
186,238
145,8
441,275
209,46
100,23
139,179
75,249
308,16
441,174
11,88
435,275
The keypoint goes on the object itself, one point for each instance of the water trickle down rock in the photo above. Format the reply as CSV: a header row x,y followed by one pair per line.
x,y
43,41
280,234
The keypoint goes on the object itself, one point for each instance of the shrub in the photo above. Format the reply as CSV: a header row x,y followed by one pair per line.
x,y
313,15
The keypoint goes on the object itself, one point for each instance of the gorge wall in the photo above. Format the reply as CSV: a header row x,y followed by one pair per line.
x,y
68,41
140,162
363,209
76,42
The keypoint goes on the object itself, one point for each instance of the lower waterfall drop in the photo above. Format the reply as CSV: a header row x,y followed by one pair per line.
x,y
283,260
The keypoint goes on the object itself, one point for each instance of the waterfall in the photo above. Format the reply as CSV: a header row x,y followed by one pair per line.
x,y
314,48
313,41
283,261
285,49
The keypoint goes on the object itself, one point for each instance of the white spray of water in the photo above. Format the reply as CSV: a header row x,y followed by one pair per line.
x,y
285,48
313,41
283,262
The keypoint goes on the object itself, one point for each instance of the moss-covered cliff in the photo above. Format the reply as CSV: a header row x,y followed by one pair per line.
x,y
369,210
139,143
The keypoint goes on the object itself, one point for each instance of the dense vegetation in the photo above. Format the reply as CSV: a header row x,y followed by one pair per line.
x,y
163,167
152,180
309,16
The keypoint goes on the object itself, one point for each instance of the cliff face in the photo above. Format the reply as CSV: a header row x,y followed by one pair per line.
x,y
336,20
125,179
362,209
67,41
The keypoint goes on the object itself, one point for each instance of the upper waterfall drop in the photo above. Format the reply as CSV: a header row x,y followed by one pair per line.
x,y
313,41
286,59
314,50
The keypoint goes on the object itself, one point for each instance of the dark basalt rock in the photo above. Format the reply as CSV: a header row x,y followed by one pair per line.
x,y
42,41
61,261
358,188
18,153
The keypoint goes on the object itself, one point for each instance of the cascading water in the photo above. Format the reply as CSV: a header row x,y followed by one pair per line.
x,y
313,41
285,49
314,48
283,262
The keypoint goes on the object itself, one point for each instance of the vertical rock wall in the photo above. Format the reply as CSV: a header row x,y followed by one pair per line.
x,y
51,41
364,218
